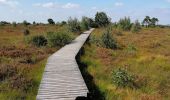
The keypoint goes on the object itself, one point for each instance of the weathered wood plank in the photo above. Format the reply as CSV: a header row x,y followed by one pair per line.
x,y
62,79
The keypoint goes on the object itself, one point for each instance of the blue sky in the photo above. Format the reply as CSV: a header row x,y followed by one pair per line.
x,y
41,10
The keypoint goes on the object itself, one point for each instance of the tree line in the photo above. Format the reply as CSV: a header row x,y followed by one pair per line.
x,y
101,20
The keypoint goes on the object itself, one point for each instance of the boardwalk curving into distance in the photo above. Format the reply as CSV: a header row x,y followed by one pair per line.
x,y
62,79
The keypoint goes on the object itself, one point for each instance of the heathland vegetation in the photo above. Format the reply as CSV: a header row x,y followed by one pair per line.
x,y
124,60
128,61
24,49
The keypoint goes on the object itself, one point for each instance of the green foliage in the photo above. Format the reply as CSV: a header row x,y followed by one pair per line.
x,y
125,24
58,38
63,23
85,23
122,79
150,21
102,19
92,23
39,40
14,24
2,23
136,27
51,21
154,21
34,23
95,40
26,32
74,25
25,23
108,41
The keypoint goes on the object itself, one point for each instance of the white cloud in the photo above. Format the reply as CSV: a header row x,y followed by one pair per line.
x,y
70,5
55,5
11,3
118,4
46,5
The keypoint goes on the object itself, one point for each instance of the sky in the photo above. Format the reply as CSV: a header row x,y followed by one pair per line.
x,y
58,10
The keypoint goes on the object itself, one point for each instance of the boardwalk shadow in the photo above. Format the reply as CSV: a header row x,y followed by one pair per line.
x,y
94,93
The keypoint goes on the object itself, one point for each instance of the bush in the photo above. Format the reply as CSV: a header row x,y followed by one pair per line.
x,y
14,24
62,23
94,39
26,32
125,24
92,23
74,25
136,27
85,23
102,19
108,41
122,79
25,23
2,23
51,21
58,38
39,40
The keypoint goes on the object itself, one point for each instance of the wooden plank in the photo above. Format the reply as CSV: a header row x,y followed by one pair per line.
x,y
62,79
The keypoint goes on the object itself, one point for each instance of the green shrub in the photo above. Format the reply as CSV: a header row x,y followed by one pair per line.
x,y
74,25
39,40
51,21
94,39
25,23
92,23
136,27
108,41
14,24
26,32
122,79
85,23
63,23
125,24
28,39
58,38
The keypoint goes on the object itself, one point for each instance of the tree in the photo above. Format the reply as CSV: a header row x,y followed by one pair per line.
x,y
154,21
147,21
25,23
34,23
101,19
92,23
85,24
51,21
150,21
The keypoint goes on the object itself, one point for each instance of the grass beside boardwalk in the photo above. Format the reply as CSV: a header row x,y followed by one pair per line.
x,y
145,55
22,64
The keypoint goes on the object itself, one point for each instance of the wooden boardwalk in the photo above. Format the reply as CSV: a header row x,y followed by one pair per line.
x,y
62,79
